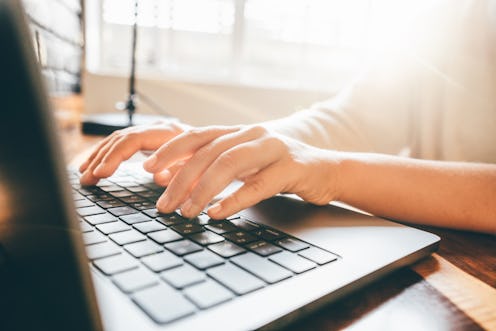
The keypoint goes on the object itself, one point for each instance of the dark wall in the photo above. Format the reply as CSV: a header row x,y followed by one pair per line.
x,y
57,33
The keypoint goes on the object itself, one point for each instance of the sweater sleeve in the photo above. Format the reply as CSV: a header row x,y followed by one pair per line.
x,y
371,115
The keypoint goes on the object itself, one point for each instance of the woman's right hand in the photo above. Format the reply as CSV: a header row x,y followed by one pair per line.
x,y
122,144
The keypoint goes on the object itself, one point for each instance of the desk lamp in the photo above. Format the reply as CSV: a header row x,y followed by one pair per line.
x,y
106,123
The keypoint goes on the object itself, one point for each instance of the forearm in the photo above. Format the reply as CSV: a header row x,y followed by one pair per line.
x,y
447,194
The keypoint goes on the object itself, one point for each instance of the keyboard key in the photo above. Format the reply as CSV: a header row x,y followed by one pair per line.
x,y
121,194
99,197
152,212
142,205
105,249
135,279
183,276
187,228
120,211
171,219
240,237
292,262
153,186
110,203
113,227
201,219
263,248
163,304
87,211
208,294
83,203
137,189
245,224
100,219
292,244
221,227
150,195
236,279
204,259
93,237
89,190
262,268
226,249
110,188
77,196
206,238
269,234
127,237
126,182
318,255
85,227
133,199
164,236
143,248
147,227
104,182
162,261
183,247
115,264
135,218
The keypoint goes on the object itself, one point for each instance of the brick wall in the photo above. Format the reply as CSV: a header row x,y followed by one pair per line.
x,y
56,28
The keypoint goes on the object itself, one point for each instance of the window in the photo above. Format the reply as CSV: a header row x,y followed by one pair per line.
x,y
309,44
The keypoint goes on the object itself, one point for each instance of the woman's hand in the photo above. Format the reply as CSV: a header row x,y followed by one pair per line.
x,y
206,160
123,144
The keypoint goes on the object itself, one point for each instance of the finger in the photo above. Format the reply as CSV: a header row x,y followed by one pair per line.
x,y
102,143
164,177
131,143
182,184
261,186
183,146
246,158
156,135
88,177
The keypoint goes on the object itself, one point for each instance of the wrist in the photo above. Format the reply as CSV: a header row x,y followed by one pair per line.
x,y
322,180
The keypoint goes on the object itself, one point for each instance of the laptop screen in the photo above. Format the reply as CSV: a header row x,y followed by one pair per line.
x,y
44,277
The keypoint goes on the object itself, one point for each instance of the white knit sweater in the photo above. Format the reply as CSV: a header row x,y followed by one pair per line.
x,y
433,97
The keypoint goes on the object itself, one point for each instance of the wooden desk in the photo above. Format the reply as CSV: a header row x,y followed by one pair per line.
x,y
454,289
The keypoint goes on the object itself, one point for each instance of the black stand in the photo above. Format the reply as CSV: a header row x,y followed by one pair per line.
x,y
104,124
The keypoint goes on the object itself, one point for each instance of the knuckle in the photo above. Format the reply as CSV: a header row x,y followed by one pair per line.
x,y
275,142
195,133
257,130
129,138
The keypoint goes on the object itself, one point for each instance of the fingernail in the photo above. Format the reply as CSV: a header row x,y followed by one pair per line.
x,y
83,166
165,177
150,162
87,179
215,208
163,202
187,207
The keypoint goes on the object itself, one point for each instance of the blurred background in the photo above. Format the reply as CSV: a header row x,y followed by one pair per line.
x,y
213,61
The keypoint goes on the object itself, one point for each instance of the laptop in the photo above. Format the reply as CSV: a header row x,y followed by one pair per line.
x,y
102,258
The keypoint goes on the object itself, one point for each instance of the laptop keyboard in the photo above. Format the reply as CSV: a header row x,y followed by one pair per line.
x,y
172,267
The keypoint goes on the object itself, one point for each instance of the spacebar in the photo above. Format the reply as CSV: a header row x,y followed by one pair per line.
x,y
163,304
